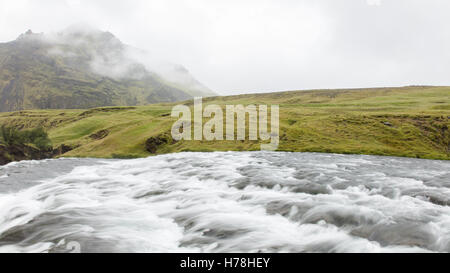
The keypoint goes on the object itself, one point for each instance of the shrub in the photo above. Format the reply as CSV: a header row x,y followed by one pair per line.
x,y
11,135
43,143
36,136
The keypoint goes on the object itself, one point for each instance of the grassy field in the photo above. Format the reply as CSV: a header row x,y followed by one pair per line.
x,y
409,121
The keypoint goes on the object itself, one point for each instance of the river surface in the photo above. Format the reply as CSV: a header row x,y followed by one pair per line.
x,y
226,202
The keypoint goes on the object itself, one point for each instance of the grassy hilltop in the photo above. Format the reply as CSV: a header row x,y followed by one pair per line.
x,y
409,121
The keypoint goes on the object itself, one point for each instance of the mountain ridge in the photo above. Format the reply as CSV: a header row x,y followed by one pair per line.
x,y
82,69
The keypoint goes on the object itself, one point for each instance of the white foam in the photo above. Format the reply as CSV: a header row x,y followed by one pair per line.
x,y
191,202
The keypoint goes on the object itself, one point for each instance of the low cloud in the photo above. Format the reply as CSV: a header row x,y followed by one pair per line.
x,y
257,46
86,47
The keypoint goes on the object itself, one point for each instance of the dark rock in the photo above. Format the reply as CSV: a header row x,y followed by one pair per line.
x,y
9,153
62,149
152,144
15,152
5,157
100,134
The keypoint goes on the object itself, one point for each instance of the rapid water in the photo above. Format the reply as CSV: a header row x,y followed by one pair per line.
x,y
226,202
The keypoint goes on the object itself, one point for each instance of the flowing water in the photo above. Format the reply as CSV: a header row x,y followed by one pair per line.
x,y
226,202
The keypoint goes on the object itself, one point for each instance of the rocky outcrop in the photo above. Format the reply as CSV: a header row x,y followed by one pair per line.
x,y
154,143
62,149
10,153
99,135
21,152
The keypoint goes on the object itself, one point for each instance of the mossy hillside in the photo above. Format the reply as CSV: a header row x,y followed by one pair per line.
x,y
409,121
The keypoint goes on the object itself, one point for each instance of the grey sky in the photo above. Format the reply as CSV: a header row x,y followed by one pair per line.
x,y
260,46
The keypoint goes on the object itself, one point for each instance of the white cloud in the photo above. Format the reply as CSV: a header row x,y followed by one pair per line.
x,y
262,45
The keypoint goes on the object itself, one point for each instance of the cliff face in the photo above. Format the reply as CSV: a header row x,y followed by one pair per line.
x,y
82,69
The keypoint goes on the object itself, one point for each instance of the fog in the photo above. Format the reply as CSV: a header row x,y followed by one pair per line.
x,y
87,48
260,46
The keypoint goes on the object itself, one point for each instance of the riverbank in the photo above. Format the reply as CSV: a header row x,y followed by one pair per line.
x,y
407,122
19,152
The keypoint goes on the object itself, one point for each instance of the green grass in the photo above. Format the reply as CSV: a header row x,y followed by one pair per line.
x,y
335,121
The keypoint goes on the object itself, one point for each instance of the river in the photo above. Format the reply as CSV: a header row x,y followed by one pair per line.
x,y
226,202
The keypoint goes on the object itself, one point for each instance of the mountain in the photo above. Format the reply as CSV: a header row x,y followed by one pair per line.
x,y
83,67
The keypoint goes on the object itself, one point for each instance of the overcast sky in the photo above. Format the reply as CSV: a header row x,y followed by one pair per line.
x,y
259,46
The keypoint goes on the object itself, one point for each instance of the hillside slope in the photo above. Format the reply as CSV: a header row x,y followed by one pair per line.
x,y
84,68
410,121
